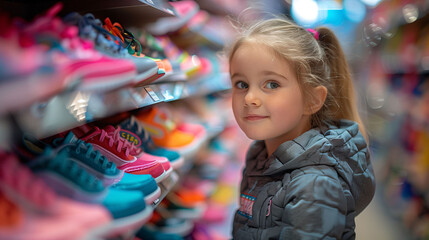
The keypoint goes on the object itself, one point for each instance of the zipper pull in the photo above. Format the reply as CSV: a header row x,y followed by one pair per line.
x,y
269,209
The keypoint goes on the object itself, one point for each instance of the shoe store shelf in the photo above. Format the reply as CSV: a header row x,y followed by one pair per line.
x,y
75,108
128,12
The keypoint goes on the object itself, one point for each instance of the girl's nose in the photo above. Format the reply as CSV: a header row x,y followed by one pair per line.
x,y
252,99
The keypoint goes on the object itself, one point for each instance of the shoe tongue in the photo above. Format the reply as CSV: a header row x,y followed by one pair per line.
x,y
84,130
70,138
109,129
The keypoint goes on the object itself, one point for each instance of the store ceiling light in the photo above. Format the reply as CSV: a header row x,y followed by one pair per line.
x,y
305,12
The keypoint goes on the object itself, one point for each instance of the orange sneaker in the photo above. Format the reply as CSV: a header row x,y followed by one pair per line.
x,y
163,130
10,214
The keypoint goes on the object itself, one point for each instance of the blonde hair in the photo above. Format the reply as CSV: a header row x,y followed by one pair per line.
x,y
316,63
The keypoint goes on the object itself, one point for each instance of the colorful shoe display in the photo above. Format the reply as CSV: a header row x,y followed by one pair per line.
x,y
133,131
145,183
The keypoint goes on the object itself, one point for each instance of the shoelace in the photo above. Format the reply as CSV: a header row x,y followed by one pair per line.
x,y
127,38
94,155
113,139
22,180
92,28
89,153
69,169
130,147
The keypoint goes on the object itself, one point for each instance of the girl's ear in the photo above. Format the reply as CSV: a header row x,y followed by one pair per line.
x,y
317,99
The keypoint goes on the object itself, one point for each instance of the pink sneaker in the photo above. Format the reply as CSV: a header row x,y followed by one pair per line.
x,y
146,164
46,215
166,164
108,142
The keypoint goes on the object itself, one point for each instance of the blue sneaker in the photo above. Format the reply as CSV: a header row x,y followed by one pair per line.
x,y
144,183
66,177
133,131
93,161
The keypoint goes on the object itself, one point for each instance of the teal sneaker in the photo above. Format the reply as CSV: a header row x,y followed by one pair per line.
x,y
128,209
92,160
133,131
66,177
144,183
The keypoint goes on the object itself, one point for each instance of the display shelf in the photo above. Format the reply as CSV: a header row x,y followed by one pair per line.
x,y
166,186
75,108
129,12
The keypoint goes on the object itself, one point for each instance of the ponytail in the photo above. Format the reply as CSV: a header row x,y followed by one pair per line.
x,y
343,94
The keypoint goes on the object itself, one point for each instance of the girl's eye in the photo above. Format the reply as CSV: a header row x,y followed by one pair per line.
x,y
272,85
241,85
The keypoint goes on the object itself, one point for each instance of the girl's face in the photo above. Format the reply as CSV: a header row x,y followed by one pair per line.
x,y
266,98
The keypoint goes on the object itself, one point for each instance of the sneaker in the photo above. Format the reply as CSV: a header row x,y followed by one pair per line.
x,y
90,28
76,58
48,216
177,210
15,182
108,142
185,10
129,212
10,213
28,72
187,64
171,225
145,183
133,131
66,177
148,233
163,130
146,164
134,47
93,161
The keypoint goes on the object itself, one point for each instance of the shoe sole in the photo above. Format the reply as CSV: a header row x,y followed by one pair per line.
x,y
149,199
177,163
64,187
121,225
107,180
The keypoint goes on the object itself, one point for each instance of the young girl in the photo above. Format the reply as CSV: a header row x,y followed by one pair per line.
x,y
308,174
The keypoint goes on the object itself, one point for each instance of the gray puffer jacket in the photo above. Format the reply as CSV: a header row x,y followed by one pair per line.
x,y
312,187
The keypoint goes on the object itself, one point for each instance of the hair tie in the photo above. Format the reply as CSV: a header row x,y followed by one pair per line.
x,y
314,33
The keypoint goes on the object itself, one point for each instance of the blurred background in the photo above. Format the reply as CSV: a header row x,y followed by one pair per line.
x,y
386,43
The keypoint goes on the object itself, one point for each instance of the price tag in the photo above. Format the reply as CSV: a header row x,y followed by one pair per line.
x,y
152,94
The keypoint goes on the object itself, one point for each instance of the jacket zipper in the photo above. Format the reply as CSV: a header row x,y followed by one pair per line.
x,y
265,212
